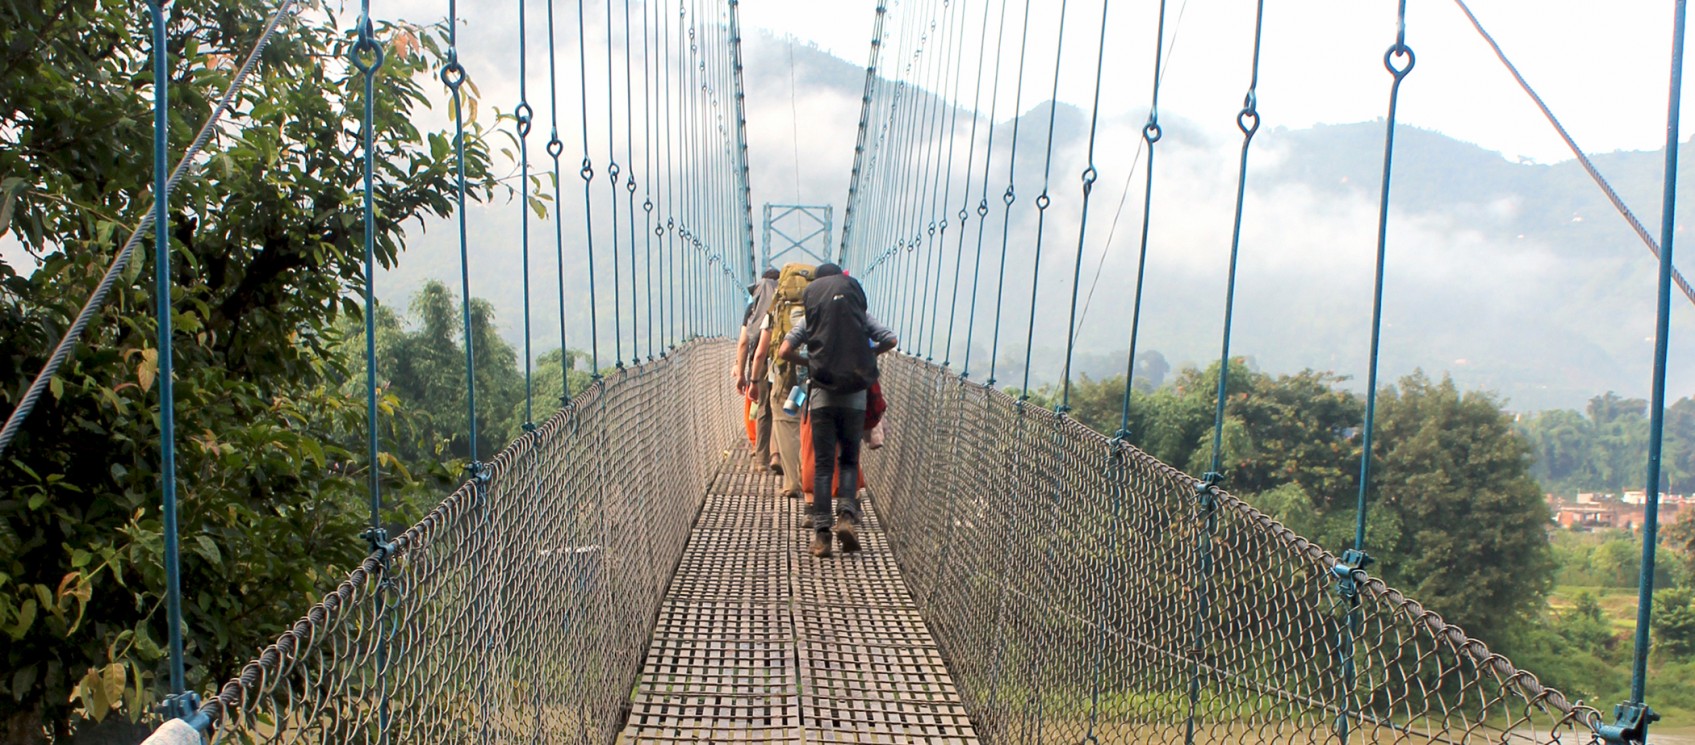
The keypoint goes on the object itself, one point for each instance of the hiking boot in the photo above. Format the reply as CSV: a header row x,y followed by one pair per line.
x,y
847,533
821,544
776,468
805,520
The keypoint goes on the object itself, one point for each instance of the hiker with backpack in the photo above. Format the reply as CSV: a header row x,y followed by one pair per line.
x,y
783,376
841,342
756,387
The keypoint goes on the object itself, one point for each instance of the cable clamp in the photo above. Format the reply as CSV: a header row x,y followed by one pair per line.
x,y
1631,725
1207,490
1349,570
185,706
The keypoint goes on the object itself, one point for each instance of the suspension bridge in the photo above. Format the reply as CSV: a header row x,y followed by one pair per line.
x,y
622,572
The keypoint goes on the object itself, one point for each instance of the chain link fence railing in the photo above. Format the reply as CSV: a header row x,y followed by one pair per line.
x,y
519,608
1085,592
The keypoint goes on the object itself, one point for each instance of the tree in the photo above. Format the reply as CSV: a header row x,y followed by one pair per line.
x,y
266,243
425,368
1672,622
1474,546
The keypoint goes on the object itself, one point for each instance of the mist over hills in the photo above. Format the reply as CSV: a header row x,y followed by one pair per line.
x,y
1515,277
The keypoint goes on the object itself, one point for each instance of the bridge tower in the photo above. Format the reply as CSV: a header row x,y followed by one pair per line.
x,y
803,228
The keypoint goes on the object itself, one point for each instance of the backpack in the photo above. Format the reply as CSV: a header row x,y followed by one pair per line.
x,y
786,309
838,344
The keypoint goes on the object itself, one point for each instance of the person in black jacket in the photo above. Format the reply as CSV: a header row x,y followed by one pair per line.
x,y
841,342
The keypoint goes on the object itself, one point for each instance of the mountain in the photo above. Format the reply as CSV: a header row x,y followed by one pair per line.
x,y
1513,277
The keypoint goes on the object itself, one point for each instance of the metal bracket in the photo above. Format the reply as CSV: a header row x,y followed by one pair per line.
x,y
1631,725
185,706
1351,562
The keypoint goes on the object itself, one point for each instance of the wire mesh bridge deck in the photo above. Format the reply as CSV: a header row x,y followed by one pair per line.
x,y
757,641
623,572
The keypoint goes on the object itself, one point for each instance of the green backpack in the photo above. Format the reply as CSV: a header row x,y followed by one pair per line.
x,y
786,311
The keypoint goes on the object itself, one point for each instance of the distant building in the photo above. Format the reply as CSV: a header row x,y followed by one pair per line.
x,y
1635,497
1587,497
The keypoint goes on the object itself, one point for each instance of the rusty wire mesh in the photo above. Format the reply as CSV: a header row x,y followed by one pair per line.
x,y
518,609
1066,577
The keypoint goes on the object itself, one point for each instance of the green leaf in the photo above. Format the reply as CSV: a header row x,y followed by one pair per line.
x,y
26,619
10,187
22,680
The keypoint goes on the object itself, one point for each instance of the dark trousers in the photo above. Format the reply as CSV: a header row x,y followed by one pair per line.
x,y
835,427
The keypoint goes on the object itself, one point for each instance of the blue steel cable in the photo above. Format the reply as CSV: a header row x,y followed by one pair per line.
x,y
920,161
934,301
668,298
1399,61
555,148
983,199
1247,120
1042,202
648,170
1009,197
612,172
1151,133
1634,716
367,56
928,240
1088,178
965,201
587,173
630,180
180,704
453,74
523,115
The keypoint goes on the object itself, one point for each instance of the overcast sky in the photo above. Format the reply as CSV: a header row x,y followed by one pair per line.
x,y
1602,67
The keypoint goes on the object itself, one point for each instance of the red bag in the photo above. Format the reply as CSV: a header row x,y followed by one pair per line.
x,y
875,405
752,425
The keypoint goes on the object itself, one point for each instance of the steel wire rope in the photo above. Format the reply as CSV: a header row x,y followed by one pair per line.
x,y
630,185
453,75
890,145
944,175
923,238
587,174
950,492
1088,182
1399,61
744,189
903,143
1582,157
1057,454
97,299
1088,178
556,148
857,174
522,116
965,201
983,200
1151,134
1042,203
613,170
650,225
926,235
1009,196
669,298
375,535
906,144
920,157
1130,174
1247,120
